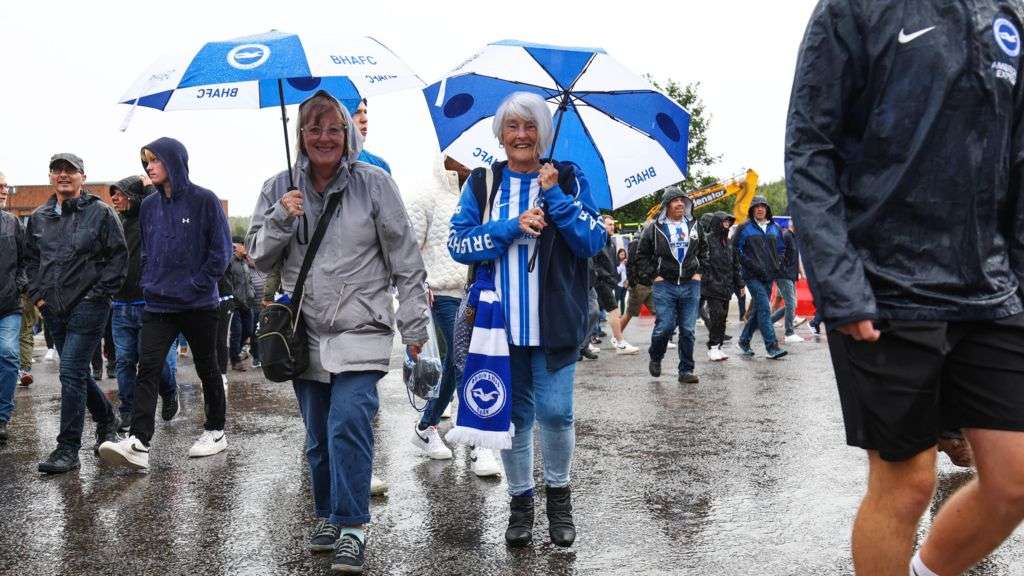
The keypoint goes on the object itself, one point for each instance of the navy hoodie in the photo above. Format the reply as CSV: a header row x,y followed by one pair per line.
x,y
186,241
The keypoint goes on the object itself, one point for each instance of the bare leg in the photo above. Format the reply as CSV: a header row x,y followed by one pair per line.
x,y
976,520
898,494
615,321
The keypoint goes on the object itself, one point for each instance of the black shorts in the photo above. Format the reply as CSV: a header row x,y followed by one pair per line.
x,y
606,297
921,378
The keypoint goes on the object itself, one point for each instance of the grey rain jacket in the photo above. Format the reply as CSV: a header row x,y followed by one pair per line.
x,y
904,159
13,259
77,254
368,246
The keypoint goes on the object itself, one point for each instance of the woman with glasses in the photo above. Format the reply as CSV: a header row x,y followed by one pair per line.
x,y
541,228
346,307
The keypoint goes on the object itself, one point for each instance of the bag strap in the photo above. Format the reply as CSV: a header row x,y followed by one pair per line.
x,y
484,191
314,244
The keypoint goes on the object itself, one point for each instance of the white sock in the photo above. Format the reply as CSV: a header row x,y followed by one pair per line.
x,y
917,567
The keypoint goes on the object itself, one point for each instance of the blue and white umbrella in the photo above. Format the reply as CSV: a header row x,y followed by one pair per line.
x,y
629,138
270,69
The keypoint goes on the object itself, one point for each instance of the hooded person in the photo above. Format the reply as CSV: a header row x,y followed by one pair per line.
x,y
185,245
721,279
368,246
128,306
760,247
670,257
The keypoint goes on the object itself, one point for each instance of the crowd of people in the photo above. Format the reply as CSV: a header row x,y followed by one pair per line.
x,y
909,243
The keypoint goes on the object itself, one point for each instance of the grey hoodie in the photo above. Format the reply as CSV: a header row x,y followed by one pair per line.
x,y
369,246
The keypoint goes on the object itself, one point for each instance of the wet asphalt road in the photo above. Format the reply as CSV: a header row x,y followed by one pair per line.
x,y
744,473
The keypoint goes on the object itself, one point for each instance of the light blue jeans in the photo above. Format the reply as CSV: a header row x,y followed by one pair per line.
x,y
545,397
788,291
10,358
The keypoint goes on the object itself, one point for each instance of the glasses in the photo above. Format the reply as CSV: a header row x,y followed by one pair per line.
x,y
69,170
334,131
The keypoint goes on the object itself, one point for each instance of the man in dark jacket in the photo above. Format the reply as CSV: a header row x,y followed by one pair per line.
x,y
244,293
126,319
185,250
720,280
76,262
639,293
12,282
903,161
604,278
760,248
670,258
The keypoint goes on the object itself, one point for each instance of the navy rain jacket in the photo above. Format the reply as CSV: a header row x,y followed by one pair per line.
x,y
904,156
186,242
760,252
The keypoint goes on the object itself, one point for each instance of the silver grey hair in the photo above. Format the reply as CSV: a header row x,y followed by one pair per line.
x,y
2,177
527,106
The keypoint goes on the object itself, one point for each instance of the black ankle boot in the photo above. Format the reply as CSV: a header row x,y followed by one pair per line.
x,y
559,511
520,521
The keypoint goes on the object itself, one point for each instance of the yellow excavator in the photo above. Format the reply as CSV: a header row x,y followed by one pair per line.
x,y
743,186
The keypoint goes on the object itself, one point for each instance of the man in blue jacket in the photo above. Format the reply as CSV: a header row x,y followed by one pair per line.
x,y
761,249
904,149
186,245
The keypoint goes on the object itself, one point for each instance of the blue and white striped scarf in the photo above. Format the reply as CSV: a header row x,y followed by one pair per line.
x,y
485,392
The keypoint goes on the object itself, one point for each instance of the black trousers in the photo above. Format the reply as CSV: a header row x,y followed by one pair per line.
x,y
718,311
159,331
224,313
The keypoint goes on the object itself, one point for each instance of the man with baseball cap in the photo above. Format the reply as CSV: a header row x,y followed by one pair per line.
x,y
76,263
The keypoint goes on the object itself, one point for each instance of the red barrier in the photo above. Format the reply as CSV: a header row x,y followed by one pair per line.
x,y
804,300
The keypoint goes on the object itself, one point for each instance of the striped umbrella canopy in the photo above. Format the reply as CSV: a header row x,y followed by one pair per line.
x,y
629,138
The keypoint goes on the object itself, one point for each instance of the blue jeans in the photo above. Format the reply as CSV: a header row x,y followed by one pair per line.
x,y
76,335
444,309
546,397
788,291
761,318
126,324
676,305
10,359
339,443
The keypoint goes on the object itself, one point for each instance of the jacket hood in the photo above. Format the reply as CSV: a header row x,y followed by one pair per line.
x,y
671,193
175,160
716,222
759,201
133,189
353,139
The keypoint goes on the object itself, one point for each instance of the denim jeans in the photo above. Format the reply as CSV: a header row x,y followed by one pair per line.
x,y
677,305
126,324
546,397
241,331
788,291
339,443
76,335
761,318
10,358
444,309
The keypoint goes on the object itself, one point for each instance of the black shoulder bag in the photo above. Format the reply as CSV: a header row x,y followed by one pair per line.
x,y
281,333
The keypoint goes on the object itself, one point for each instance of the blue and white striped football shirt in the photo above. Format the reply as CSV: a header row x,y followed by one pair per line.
x,y
517,286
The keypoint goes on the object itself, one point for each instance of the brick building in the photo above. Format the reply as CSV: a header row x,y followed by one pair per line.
x,y
29,197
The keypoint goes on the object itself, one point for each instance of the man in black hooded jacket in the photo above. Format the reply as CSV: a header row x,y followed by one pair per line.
x,y
720,280
905,149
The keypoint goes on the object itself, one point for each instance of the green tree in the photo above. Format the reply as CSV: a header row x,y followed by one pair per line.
x,y
239,225
699,157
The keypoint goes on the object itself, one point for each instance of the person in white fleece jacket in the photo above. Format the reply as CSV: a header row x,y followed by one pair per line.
x,y
430,213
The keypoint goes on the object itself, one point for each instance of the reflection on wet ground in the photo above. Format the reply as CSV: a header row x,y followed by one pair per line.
x,y
745,472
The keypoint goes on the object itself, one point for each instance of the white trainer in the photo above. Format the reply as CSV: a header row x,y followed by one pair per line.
x,y
378,487
484,462
210,443
793,339
624,348
430,442
715,354
51,355
593,349
130,452
671,345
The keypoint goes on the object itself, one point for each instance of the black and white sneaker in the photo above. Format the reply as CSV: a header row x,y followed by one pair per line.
x,y
324,536
349,555
130,452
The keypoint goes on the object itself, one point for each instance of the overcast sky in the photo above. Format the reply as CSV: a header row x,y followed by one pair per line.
x,y
65,64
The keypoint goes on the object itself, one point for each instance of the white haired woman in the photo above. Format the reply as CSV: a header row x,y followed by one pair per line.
x,y
541,231
346,307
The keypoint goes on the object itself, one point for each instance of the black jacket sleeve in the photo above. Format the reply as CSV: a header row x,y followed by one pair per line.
x,y
21,244
830,75
645,259
1016,193
33,288
114,251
